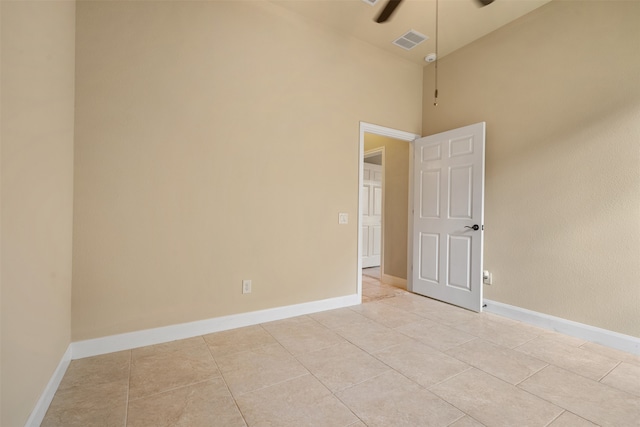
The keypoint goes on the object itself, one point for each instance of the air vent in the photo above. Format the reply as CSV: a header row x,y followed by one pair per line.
x,y
410,40
370,2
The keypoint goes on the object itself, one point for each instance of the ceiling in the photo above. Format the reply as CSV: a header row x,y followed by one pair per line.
x,y
460,21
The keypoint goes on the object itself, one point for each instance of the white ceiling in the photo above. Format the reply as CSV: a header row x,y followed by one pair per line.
x,y
460,21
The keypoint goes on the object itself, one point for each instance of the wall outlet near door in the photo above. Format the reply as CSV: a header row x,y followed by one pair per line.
x,y
246,286
487,278
343,218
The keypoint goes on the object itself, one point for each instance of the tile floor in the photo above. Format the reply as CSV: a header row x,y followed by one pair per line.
x,y
397,360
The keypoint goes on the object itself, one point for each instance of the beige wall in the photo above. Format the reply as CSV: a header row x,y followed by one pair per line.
x,y
396,193
560,92
37,192
215,142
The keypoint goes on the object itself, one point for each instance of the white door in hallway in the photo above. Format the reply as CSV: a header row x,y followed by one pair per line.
x,y
371,215
448,216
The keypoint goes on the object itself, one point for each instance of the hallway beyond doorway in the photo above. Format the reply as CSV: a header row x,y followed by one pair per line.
x,y
373,289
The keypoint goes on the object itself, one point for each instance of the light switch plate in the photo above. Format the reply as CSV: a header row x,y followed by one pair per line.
x,y
343,218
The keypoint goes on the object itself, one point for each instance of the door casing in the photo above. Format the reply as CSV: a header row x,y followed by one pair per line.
x,y
392,133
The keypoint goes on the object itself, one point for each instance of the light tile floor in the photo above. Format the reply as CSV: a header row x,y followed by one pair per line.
x,y
397,360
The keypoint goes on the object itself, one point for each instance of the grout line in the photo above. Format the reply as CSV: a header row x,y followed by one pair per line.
x,y
450,378
262,388
529,376
175,388
334,394
126,406
298,356
526,342
464,414
543,398
559,415
364,380
453,405
169,352
608,372
224,380
360,420
276,383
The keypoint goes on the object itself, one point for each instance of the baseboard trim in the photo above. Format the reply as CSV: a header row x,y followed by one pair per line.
x,y
40,410
604,337
127,341
393,280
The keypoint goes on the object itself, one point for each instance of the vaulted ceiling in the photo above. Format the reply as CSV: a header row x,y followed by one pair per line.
x,y
460,21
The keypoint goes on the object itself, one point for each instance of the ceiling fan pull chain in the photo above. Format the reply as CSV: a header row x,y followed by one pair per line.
x,y
435,94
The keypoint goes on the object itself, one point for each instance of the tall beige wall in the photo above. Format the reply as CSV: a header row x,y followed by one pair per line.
x,y
560,92
396,202
37,191
215,142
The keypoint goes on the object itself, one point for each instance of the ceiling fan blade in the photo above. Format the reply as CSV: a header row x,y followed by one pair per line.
x,y
388,10
485,2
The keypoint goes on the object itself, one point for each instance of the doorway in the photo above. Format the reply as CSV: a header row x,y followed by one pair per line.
x,y
368,130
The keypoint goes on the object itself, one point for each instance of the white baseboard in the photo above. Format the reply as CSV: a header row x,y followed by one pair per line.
x,y
127,341
40,410
580,330
393,280
110,344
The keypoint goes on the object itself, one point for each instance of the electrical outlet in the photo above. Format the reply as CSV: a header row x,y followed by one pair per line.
x,y
246,286
487,278
343,218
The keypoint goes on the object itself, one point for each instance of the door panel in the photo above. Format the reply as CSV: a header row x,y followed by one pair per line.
x,y
366,193
429,259
459,262
448,200
460,192
376,245
365,240
371,215
377,199
461,146
430,189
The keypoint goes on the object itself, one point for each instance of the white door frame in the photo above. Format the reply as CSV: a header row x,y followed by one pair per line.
x,y
392,133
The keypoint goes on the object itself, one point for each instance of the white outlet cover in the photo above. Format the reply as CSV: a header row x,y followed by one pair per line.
x,y
487,277
246,286
343,218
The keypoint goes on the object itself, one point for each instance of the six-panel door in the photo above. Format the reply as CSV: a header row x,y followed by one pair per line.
x,y
448,202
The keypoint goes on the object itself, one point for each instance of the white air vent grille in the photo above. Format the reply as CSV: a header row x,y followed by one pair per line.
x,y
410,40
371,2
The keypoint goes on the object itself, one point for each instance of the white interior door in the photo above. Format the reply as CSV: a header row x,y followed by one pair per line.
x,y
448,216
371,215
